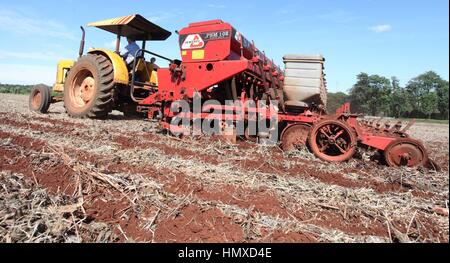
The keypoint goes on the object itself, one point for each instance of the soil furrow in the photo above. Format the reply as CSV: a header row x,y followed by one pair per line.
x,y
144,186
326,219
275,164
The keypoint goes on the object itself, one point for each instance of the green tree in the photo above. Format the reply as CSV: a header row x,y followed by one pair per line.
x,y
359,94
423,91
15,89
371,94
381,96
442,99
336,100
399,100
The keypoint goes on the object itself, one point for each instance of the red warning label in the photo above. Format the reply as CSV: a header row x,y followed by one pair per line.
x,y
193,42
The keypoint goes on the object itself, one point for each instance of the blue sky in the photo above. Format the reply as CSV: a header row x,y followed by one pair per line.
x,y
401,38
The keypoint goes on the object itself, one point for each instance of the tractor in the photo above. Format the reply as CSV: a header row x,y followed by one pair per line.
x,y
100,81
218,63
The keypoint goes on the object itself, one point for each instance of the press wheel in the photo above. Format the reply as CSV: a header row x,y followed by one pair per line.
x,y
406,152
332,141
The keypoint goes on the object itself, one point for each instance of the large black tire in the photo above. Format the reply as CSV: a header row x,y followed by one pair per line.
x,y
89,88
40,98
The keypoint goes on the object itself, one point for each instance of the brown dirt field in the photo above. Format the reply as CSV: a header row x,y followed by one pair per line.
x,y
125,182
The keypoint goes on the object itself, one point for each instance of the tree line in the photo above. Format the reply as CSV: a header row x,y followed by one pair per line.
x,y
425,96
15,89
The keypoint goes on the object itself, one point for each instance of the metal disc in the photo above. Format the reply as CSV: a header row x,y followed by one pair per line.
x,y
405,152
295,137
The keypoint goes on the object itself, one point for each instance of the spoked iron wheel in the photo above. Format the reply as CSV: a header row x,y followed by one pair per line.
x,y
295,137
405,152
332,141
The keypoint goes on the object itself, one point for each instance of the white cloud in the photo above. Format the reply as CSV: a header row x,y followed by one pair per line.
x,y
285,11
288,21
27,74
381,28
216,6
162,16
42,56
339,16
19,24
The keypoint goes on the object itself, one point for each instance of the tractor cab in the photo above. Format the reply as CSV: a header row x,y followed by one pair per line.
x,y
141,73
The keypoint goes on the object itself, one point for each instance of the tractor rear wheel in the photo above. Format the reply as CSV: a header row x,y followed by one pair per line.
x,y
332,141
40,98
89,88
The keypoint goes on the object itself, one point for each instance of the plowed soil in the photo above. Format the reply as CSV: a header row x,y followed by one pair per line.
x,y
121,180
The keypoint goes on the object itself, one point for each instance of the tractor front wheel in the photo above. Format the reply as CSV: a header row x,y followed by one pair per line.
x,y
89,88
40,98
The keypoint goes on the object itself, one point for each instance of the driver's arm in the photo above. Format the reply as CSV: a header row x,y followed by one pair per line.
x,y
124,54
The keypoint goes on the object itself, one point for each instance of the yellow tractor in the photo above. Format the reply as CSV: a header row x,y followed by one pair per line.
x,y
101,81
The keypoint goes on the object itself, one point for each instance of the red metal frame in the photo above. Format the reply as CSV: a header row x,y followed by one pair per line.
x,y
213,52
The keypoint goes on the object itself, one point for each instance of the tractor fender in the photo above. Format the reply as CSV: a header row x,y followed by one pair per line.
x,y
120,68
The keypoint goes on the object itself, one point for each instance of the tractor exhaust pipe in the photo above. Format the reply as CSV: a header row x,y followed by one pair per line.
x,y
83,36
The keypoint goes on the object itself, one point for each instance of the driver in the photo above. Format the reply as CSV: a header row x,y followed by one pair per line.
x,y
130,51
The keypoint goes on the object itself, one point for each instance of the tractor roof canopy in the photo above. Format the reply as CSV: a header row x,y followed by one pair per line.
x,y
135,26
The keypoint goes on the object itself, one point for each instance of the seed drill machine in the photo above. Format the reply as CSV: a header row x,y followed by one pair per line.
x,y
218,62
